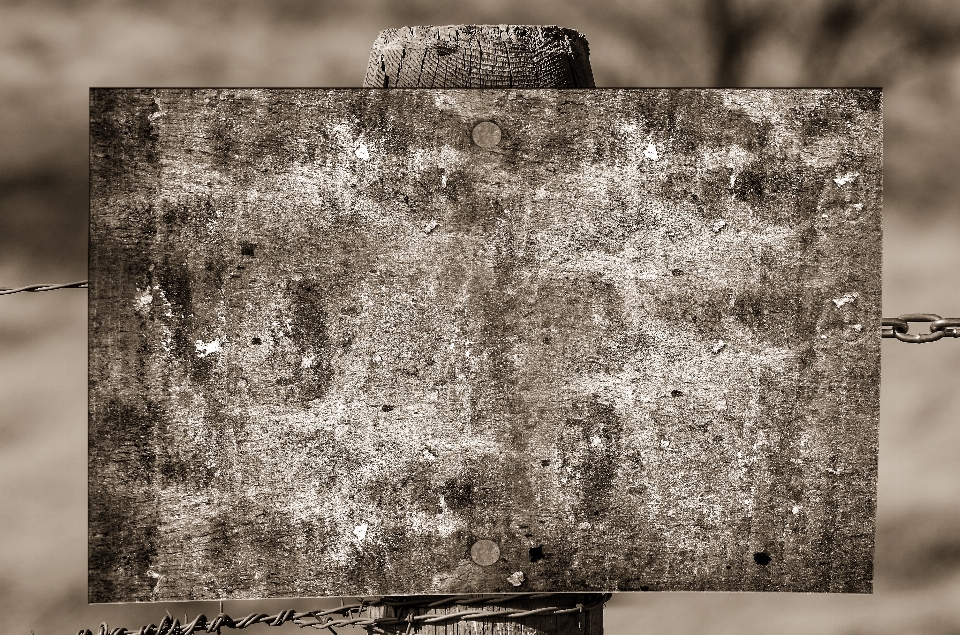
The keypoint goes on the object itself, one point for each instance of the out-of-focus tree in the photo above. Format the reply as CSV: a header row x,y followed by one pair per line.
x,y
781,42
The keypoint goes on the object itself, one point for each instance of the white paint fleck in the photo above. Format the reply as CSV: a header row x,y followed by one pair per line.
x,y
824,216
360,531
796,509
733,179
719,346
307,361
429,227
823,337
651,152
144,299
516,578
362,152
207,348
443,179
857,327
596,442
720,224
846,178
846,299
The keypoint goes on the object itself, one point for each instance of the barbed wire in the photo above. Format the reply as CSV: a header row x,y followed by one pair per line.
x,y
358,614
898,327
44,287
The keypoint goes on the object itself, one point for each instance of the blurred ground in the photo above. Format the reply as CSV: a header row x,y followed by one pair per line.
x,y
52,52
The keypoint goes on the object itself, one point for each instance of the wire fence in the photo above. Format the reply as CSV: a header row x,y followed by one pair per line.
x,y
898,327
402,614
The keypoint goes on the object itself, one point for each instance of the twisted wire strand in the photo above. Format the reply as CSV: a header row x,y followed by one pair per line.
x,y
358,614
891,327
43,287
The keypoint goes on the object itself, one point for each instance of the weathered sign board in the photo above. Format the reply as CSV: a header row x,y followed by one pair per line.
x,y
346,342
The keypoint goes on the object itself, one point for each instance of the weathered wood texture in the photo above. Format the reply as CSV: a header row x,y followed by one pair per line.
x,y
479,56
334,342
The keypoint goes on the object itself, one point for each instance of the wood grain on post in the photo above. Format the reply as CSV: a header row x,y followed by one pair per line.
x,y
472,56
504,56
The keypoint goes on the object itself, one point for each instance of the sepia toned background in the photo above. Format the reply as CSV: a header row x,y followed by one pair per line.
x,y
52,52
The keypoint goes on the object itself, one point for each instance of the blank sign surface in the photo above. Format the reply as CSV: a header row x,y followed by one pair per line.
x,y
628,340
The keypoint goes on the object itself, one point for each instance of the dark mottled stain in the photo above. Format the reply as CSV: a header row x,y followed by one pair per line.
x,y
830,117
750,184
261,542
176,280
696,119
702,308
410,485
248,249
214,271
125,429
457,493
869,99
123,134
536,554
122,546
595,464
310,330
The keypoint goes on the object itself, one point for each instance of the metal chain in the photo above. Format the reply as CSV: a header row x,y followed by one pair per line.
x,y
898,327
359,615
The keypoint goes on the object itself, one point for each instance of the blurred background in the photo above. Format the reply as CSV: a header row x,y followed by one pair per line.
x,y
51,52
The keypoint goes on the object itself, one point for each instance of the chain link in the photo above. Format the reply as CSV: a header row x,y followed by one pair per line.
x,y
899,327
359,615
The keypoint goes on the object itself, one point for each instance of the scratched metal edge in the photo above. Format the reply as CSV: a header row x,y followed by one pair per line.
x,y
122,127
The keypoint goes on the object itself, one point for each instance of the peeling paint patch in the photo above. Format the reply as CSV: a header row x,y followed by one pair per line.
x,y
846,178
516,578
360,531
362,152
650,152
846,299
208,348
719,225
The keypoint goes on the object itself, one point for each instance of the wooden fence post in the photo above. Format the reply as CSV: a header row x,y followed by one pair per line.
x,y
495,56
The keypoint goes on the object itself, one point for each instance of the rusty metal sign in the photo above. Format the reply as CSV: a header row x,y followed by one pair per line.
x,y
461,341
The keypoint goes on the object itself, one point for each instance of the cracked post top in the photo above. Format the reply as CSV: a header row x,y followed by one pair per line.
x,y
479,56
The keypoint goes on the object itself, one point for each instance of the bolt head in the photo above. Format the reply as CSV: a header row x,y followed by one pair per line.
x,y
485,552
486,134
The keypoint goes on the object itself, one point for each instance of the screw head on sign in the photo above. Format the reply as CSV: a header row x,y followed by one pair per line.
x,y
485,552
486,134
